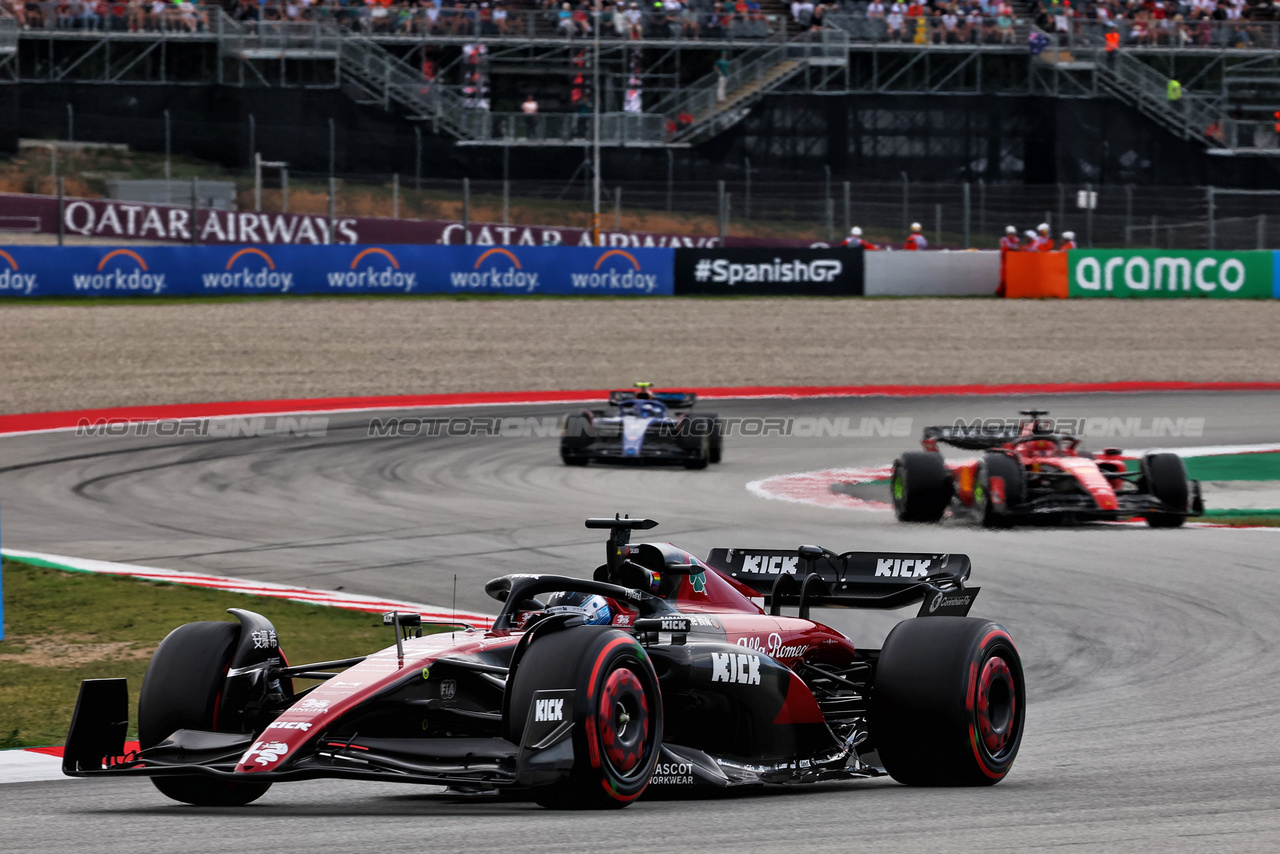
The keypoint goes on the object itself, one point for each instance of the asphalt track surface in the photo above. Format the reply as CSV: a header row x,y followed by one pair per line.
x,y
1151,655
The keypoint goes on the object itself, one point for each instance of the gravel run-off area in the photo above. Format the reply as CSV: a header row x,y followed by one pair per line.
x,y
60,356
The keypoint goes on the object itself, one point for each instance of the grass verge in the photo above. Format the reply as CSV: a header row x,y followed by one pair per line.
x,y
63,627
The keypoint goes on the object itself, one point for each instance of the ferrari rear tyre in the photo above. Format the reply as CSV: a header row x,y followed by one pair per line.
x,y
1010,472
182,690
949,702
921,487
1166,479
617,713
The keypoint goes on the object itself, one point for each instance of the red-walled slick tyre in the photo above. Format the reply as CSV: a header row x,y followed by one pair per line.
x,y
949,702
617,713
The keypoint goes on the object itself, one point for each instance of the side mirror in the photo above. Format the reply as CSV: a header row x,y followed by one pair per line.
x,y
811,552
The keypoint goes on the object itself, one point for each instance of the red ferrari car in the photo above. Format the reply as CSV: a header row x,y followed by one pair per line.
x,y
661,671
1035,474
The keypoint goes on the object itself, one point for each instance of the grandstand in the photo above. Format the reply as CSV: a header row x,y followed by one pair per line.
x,y
966,91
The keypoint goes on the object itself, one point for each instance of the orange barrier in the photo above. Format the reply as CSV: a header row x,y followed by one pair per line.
x,y
1036,275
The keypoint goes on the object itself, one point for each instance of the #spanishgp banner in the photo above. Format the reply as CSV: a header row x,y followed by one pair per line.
x,y
769,272
36,271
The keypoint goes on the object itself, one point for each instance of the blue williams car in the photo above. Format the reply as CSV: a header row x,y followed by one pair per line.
x,y
643,426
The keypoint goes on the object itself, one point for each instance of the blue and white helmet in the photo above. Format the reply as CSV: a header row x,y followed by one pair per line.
x,y
594,609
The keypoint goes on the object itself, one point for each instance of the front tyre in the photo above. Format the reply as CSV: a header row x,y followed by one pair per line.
x,y
576,437
617,729
1166,479
182,689
949,702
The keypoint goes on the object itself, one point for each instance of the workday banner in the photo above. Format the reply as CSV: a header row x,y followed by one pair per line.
x,y
36,271
1167,273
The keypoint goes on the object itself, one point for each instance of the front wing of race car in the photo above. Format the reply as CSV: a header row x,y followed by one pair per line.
x,y
95,748
1083,505
661,442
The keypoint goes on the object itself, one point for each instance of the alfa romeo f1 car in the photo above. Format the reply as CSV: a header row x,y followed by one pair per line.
x,y
661,672
644,426
1032,473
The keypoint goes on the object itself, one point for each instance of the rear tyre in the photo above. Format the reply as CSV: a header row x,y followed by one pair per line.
x,y
617,706
921,487
702,455
1008,469
949,702
717,441
1166,479
182,690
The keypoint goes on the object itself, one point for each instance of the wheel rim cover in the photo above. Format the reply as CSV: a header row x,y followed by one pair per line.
x,y
624,719
996,706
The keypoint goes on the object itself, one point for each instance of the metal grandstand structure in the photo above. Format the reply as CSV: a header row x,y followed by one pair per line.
x,y
1229,90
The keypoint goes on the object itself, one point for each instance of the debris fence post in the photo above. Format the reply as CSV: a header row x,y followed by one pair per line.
x,y
195,210
333,204
466,209
1089,201
848,207
168,173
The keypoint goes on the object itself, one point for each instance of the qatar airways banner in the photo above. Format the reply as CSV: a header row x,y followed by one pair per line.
x,y
117,220
92,271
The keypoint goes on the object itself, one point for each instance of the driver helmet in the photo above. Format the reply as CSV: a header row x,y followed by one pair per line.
x,y
642,391
594,609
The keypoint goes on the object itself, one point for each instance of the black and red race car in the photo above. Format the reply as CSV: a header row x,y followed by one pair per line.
x,y
1030,473
660,673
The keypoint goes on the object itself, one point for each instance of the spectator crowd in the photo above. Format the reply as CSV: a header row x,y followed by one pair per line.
x,y
1164,23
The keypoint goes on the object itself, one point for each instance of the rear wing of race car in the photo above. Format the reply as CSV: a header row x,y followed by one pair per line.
x,y
673,399
969,438
810,576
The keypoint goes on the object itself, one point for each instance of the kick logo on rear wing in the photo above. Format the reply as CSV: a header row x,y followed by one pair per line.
x,y
852,579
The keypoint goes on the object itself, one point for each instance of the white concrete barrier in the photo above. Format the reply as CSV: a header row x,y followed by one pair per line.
x,y
929,273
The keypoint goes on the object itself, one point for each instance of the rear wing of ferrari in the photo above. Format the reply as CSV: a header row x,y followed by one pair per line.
x,y
810,576
673,399
974,438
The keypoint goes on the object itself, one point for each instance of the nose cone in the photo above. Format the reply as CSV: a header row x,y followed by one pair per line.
x,y
1105,499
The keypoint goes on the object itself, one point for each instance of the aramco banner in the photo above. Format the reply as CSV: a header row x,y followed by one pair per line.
x,y
1167,273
